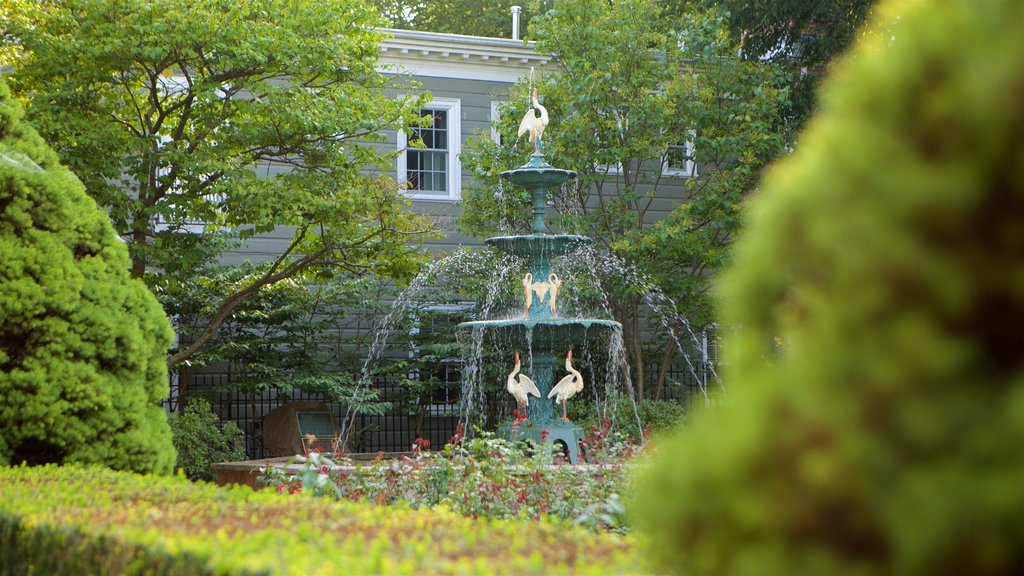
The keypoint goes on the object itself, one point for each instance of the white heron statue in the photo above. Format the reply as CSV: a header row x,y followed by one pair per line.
x,y
520,386
554,285
534,124
528,291
567,387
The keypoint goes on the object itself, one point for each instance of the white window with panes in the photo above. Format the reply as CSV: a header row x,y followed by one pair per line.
x,y
432,172
679,160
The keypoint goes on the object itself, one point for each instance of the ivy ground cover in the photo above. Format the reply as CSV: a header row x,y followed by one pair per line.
x,y
83,519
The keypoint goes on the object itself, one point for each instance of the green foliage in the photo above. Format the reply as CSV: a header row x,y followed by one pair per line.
x,y
876,404
627,417
291,334
472,17
630,88
202,440
803,36
87,520
483,476
248,117
82,366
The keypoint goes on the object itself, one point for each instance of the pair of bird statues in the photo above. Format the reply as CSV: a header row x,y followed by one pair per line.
x,y
551,286
521,386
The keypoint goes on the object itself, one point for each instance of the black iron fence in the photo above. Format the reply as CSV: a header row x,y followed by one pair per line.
x,y
394,431
434,417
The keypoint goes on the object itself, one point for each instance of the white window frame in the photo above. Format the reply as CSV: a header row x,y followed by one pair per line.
x,y
609,169
688,169
453,180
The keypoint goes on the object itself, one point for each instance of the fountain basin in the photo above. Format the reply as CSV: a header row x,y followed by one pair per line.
x,y
537,175
547,333
539,245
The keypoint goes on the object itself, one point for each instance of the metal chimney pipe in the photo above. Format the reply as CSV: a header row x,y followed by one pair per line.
x,y
515,21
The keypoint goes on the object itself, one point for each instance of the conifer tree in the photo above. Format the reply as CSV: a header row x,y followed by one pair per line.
x,y
82,345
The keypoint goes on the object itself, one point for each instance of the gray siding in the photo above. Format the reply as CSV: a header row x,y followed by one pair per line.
x,y
475,97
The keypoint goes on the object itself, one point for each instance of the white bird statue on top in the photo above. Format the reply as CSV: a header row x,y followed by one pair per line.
x,y
520,386
567,387
534,124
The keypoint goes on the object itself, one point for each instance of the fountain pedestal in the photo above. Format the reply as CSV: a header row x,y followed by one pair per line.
x,y
545,336
544,421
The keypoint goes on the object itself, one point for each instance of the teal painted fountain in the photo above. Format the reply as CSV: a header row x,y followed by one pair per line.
x,y
541,333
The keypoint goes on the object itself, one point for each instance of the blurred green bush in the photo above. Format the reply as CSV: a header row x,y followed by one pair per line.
x,y
201,440
82,345
876,385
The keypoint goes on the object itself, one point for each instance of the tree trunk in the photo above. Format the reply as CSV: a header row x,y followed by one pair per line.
x,y
139,241
184,380
666,362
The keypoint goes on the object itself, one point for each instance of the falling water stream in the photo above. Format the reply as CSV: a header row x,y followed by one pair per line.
x,y
603,352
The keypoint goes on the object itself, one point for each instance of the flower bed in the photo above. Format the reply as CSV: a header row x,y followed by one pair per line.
x,y
484,476
89,520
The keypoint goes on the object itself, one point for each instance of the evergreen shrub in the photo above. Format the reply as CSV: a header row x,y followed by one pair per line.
x,y
876,386
201,440
82,345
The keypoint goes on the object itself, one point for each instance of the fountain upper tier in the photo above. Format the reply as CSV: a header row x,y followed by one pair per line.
x,y
548,334
538,176
546,246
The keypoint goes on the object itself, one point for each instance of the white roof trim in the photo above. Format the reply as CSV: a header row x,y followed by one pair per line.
x,y
457,56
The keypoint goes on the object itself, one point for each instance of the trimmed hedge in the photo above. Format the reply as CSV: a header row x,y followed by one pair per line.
x,y
82,345
876,414
76,519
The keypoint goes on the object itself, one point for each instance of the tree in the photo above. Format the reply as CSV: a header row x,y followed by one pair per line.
x,y
877,405
82,345
470,17
631,96
802,36
246,117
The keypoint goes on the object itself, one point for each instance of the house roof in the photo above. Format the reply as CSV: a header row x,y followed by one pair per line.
x,y
458,56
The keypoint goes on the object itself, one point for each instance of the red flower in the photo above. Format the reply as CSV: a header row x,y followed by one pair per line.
x,y
456,439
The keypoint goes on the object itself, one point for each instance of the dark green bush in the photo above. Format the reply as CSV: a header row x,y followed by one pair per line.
x,y
876,387
201,440
82,344
653,416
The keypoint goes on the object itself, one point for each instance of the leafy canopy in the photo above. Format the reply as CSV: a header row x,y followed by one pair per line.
x,y
636,98
250,118
471,17
802,36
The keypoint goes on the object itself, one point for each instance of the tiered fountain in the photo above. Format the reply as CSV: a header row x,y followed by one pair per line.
x,y
541,333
